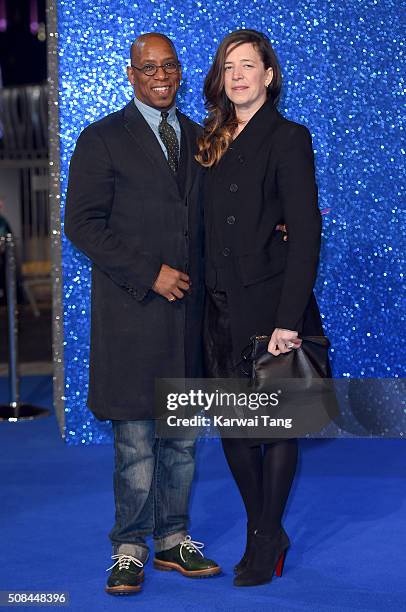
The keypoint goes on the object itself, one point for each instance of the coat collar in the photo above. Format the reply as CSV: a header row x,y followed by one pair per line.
x,y
257,129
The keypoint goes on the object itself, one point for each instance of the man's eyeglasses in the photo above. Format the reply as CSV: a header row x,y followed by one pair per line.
x,y
151,69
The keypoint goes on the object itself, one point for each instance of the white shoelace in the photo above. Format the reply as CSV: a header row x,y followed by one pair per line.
x,y
191,546
124,562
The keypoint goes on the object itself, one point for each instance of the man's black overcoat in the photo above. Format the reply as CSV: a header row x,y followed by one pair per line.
x,y
130,214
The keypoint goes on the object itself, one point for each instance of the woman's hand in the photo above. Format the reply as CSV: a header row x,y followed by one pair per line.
x,y
283,341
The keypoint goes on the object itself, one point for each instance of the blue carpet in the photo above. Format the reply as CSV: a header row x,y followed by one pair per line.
x,y
346,519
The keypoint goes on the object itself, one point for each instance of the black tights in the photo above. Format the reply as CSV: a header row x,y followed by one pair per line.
x,y
264,478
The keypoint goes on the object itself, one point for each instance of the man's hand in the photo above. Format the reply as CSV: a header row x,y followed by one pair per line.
x,y
171,283
283,341
282,228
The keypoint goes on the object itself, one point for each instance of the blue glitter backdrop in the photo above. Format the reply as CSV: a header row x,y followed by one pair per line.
x,y
342,64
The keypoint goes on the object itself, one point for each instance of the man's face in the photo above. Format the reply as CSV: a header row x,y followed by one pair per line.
x,y
159,90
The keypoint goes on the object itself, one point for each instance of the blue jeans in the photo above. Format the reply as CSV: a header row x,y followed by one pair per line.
x,y
152,483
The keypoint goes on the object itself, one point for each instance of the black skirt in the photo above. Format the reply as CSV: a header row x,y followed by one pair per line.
x,y
217,341
218,348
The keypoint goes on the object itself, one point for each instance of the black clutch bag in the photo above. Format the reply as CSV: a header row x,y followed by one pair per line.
x,y
302,378
309,362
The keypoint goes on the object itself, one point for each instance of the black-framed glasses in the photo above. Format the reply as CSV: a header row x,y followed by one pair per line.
x,y
151,69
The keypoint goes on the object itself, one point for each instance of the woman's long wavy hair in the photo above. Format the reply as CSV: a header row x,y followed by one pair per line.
x,y
221,121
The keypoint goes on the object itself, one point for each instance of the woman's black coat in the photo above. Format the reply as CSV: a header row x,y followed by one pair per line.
x,y
266,177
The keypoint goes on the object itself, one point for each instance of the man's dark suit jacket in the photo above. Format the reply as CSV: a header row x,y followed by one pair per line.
x,y
129,214
265,178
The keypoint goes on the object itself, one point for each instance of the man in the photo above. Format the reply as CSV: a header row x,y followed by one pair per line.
x,y
133,208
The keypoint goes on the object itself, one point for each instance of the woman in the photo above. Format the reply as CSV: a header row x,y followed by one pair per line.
x,y
260,175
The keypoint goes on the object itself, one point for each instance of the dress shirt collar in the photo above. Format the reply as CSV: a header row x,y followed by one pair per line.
x,y
153,115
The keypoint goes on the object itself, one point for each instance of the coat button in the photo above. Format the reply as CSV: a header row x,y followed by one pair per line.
x,y
231,220
233,187
226,252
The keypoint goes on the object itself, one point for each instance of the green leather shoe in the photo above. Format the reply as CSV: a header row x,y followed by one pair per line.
x,y
187,559
126,576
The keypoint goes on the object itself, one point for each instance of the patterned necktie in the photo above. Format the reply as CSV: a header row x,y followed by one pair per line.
x,y
170,140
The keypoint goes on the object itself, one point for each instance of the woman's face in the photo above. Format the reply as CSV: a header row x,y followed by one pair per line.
x,y
245,77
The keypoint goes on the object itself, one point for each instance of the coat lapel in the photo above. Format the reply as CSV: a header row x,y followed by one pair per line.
x,y
189,142
145,138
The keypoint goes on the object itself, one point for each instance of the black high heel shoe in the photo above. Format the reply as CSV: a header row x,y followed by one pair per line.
x,y
242,564
267,558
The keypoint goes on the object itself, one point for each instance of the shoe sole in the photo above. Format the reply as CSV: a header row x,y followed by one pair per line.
x,y
125,589
168,566
253,584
